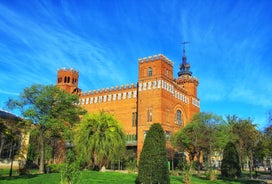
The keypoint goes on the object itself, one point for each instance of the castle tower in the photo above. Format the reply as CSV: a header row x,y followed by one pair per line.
x,y
187,81
156,97
67,79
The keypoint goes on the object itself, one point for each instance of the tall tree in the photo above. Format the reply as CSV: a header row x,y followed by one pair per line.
x,y
50,110
246,137
99,139
153,167
268,143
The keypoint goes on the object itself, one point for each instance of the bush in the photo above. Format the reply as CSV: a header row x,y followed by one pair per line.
x,y
230,164
131,166
153,164
54,168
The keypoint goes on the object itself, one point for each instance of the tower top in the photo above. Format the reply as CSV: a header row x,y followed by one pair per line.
x,y
185,66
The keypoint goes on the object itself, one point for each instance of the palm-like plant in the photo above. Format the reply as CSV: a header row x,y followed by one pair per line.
x,y
99,139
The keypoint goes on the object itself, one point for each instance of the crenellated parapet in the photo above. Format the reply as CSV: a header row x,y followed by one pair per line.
x,y
187,79
111,89
112,94
68,70
154,58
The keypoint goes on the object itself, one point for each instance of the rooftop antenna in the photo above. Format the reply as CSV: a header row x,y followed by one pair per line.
x,y
184,55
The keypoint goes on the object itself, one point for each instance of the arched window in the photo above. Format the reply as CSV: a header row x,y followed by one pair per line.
x,y
65,79
149,71
68,81
179,117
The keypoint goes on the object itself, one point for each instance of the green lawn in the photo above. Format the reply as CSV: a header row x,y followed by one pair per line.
x,y
101,178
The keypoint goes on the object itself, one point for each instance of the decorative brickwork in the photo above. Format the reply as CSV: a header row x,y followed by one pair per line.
x,y
156,98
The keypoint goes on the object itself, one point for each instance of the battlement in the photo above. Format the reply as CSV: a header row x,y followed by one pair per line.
x,y
188,78
112,89
154,58
67,70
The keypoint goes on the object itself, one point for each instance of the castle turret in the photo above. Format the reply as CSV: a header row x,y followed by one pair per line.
x,y
67,80
185,78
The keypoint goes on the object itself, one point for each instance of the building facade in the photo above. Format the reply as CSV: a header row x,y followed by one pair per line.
x,y
157,97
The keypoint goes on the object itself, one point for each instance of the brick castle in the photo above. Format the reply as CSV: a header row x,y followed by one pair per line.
x,y
157,97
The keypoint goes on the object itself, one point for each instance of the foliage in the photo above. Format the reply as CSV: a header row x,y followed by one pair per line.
x,y
99,139
51,110
211,174
205,133
268,140
247,139
130,160
55,168
131,165
187,172
230,164
153,167
70,171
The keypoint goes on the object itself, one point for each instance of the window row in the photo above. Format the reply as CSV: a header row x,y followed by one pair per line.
x,y
131,137
108,98
178,116
195,102
67,80
150,72
164,85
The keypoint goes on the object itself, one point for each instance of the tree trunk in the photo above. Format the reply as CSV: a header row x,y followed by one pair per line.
x,y
2,144
251,165
198,167
42,152
173,167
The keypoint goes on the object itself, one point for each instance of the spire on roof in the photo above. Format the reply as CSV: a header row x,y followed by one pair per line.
x,y
185,66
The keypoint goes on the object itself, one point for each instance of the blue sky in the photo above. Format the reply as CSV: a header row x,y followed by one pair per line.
x,y
229,50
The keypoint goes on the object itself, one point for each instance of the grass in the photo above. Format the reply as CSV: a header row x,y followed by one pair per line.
x,y
103,178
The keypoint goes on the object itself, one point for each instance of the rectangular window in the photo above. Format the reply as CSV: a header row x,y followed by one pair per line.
x,y
149,115
129,94
59,80
119,96
149,72
134,119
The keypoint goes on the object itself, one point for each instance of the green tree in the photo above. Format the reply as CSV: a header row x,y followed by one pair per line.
x,y
268,143
50,109
230,164
248,138
99,139
201,135
153,166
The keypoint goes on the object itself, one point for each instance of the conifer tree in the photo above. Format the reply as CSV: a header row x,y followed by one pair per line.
x,y
153,167
230,164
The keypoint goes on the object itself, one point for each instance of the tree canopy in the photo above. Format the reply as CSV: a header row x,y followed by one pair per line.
x,y
51,110
205,133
